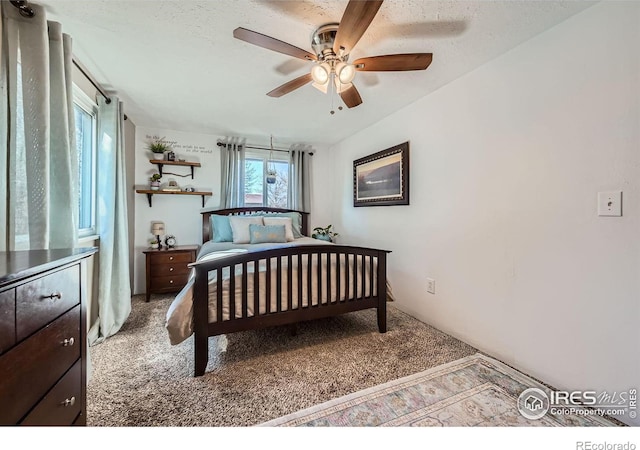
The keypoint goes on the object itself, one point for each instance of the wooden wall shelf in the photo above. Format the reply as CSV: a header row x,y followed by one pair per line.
x,y
150,193
163,162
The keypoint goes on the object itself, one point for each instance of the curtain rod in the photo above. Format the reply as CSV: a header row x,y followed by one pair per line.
x,y
222,144
23,6
27,11
88,77
94,83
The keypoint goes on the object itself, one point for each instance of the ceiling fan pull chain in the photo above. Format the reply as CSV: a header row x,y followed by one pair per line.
x,y
331,92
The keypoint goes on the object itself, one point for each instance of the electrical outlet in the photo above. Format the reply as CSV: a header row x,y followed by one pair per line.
x,y
431,285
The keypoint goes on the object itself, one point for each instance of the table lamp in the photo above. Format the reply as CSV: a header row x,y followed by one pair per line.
x,y
157,229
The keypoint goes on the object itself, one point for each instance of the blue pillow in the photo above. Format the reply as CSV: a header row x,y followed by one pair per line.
x,y
296,220
259,234
221,227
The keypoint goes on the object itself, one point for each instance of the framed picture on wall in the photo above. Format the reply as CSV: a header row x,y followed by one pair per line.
x,y
382,179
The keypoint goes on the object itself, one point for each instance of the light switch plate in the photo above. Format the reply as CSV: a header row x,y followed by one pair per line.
x,y
610,203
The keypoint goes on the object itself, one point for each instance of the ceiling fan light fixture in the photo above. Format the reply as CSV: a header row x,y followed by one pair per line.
x,y
341,87
320,73
321,87
345,72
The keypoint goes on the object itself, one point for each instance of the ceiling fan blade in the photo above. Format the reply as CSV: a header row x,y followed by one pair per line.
x,y
356,19
291,86
351,97
262,40
390,63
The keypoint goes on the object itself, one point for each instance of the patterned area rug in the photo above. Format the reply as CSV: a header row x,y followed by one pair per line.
x,y
472,391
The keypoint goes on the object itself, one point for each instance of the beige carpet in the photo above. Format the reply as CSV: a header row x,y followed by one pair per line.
x,y
139,379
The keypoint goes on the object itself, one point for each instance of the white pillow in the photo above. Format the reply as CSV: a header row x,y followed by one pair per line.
x,y
286,221
240,228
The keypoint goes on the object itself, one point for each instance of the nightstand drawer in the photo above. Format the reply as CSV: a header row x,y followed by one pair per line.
x,y
176,282
165,270
170,257
40,301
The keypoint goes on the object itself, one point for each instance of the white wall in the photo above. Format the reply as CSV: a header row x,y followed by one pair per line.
x,y
505,165
181,214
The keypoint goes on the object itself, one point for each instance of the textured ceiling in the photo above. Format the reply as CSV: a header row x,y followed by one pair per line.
x,y
176,65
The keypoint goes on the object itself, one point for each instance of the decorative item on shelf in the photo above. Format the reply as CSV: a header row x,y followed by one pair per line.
x,y
271,170
154,181
171,156
158,146
324,234
189,189
172,187
170,241
157,229
153,243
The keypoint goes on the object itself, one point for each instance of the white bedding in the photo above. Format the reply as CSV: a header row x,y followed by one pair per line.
x,y
179,320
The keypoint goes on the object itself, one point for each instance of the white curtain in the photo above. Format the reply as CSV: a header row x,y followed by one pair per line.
x,y
232,168
37,134
299,195
114,291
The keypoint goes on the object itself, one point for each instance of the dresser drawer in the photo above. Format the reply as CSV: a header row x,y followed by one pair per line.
x,y
40,301
62,404
7,320
28,370
176,282
165,270
170,257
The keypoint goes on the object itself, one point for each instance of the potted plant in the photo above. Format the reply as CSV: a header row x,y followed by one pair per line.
x,y
324,234
153,243
154,181
158,147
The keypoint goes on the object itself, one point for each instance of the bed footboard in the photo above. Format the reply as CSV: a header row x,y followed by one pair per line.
x,y
284,286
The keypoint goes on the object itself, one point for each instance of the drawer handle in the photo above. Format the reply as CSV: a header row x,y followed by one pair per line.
x,y
68,342
170,281
170,269
57,295
69,402
170,258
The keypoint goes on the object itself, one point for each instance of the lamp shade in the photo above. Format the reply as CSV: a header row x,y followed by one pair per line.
x,y
157,228
320,73
345,72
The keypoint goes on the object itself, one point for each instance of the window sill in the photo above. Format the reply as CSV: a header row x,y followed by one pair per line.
x,y
88,239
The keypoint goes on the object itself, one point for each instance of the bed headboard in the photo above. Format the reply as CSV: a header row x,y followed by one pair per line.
x,y
206,215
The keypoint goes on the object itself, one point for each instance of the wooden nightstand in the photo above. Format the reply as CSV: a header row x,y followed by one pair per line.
x,y
167,269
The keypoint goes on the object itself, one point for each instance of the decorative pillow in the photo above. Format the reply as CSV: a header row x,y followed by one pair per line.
x,y
240,228
267,233
221,227
286,221
296,221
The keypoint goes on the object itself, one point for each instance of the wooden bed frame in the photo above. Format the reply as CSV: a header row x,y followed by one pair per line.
x,y
365,257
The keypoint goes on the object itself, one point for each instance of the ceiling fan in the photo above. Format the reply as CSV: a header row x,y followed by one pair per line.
x,y
332,44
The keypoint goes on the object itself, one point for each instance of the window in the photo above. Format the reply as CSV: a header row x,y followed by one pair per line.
x,y
85,117
257,192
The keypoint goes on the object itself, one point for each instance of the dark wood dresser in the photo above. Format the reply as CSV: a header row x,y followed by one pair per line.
x,y
167,268
43,346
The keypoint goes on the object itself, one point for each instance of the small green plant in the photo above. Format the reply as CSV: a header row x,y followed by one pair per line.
x,y
158,146
155,177
326,233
